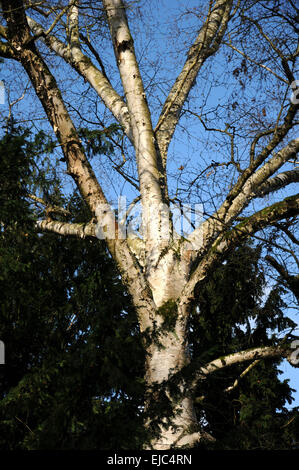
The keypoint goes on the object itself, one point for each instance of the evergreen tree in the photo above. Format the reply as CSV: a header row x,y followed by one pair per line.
x,y
73,355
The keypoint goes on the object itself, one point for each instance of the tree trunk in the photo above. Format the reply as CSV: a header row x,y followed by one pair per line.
x,y
167,353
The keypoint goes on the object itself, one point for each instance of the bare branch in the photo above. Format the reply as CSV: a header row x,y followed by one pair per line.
x,y
207,43
219,222
49,209
263,352
284,61
256,181
84,66
288,207
278,136
49,94
144,142
255,141
13,103
288,233
291,281
237,381
57,18
65,229
223,131
279,181
95,53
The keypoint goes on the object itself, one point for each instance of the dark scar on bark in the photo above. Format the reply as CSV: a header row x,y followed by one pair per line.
x,y
123,46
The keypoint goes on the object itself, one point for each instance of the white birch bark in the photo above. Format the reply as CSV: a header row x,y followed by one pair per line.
x,y
143,135
66,229
278,182
243,356
207,43
229,239
85,67
156,270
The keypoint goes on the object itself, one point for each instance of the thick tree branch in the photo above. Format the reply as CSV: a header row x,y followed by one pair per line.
x,y
84,66
78,165
278,135
3,32
73,30
49,94
144,142
207,43
6,51
291,281
278,182
83,230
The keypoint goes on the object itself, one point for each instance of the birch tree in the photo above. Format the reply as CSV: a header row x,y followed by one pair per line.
x,y
161,267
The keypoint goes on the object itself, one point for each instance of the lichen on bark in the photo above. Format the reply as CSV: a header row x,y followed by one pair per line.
x,y
169,312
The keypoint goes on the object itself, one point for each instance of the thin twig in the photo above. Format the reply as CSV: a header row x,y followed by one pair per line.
x,y
237,381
